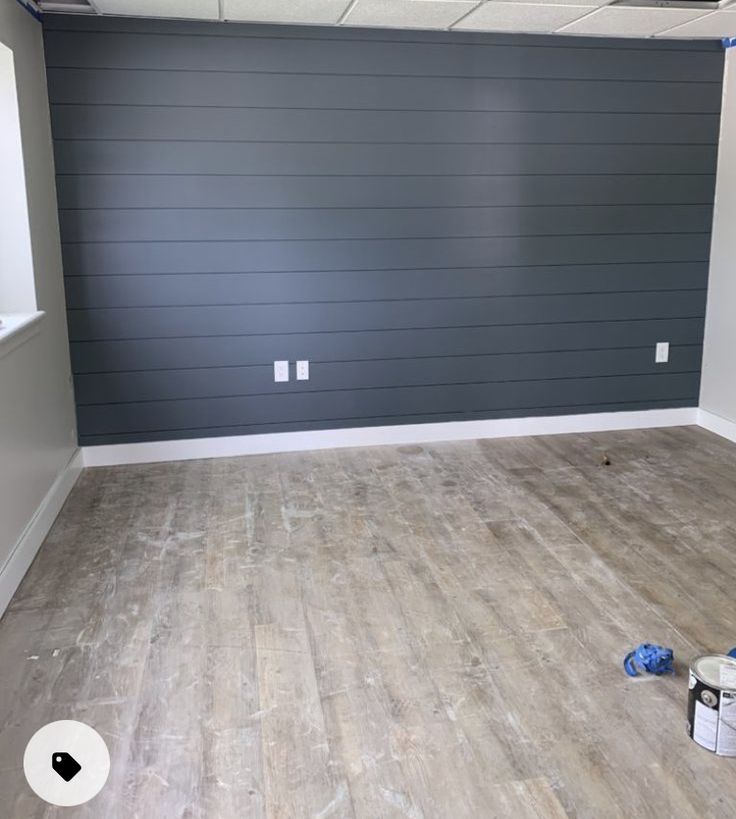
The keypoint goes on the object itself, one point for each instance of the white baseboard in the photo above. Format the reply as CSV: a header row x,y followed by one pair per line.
x,y
33,536
157,451
715,423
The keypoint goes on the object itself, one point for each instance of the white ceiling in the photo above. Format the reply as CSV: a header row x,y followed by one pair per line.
x,y
533,17
583,17
639,22
200,9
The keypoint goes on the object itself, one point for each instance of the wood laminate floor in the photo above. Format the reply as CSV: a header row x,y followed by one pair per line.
x,y
431,631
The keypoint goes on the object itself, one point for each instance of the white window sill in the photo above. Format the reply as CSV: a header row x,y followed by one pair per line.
x,y
17,328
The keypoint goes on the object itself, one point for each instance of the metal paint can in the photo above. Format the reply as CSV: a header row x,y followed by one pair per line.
x,y
711,706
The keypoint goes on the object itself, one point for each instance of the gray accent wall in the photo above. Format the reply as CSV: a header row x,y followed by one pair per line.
x,y
447,226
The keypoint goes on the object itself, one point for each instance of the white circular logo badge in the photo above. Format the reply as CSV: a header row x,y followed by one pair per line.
x,y
66,763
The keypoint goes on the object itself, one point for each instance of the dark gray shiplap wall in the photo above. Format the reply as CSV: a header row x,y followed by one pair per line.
x,y
448,227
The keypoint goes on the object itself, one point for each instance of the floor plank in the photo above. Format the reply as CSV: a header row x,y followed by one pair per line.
x,y
415,631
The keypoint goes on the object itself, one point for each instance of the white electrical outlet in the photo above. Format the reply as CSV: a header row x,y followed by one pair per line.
x,y
280,371
302,371
662,353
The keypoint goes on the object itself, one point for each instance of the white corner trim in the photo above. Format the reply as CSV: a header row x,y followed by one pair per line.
x,y
157,451
17,328
717,424
35,532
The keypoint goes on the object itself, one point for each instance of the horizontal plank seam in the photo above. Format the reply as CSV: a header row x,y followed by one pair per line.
x,y
696,316
269,364
338,37
379,175
435,238
442,299
378,75
341,208
377,388
402,109
384,269
170,140
463,413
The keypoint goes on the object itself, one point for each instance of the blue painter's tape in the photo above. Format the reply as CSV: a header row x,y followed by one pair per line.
x,y
651,658
32,10
728,42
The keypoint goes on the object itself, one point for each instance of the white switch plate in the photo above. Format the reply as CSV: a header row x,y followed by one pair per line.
x,y
302,371
280,370
662,354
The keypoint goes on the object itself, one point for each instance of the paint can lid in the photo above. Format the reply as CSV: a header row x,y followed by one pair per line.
x,y
717,670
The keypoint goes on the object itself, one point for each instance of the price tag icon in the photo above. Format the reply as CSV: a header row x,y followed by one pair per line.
x,y
65,765
66,762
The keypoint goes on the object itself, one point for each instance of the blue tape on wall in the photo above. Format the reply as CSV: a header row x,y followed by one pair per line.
x,y
728,42
32,10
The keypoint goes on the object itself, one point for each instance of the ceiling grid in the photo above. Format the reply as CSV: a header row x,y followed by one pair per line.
x,y
690,19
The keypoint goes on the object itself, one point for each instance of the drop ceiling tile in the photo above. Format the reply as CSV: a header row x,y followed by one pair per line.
x,y
514,16
715,25
408,13
618,21
561,2
189,9
314,12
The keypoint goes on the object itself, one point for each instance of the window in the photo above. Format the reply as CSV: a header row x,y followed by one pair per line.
x,y
17,289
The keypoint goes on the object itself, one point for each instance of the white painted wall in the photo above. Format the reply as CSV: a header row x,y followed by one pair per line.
x,y
37,426
718,389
